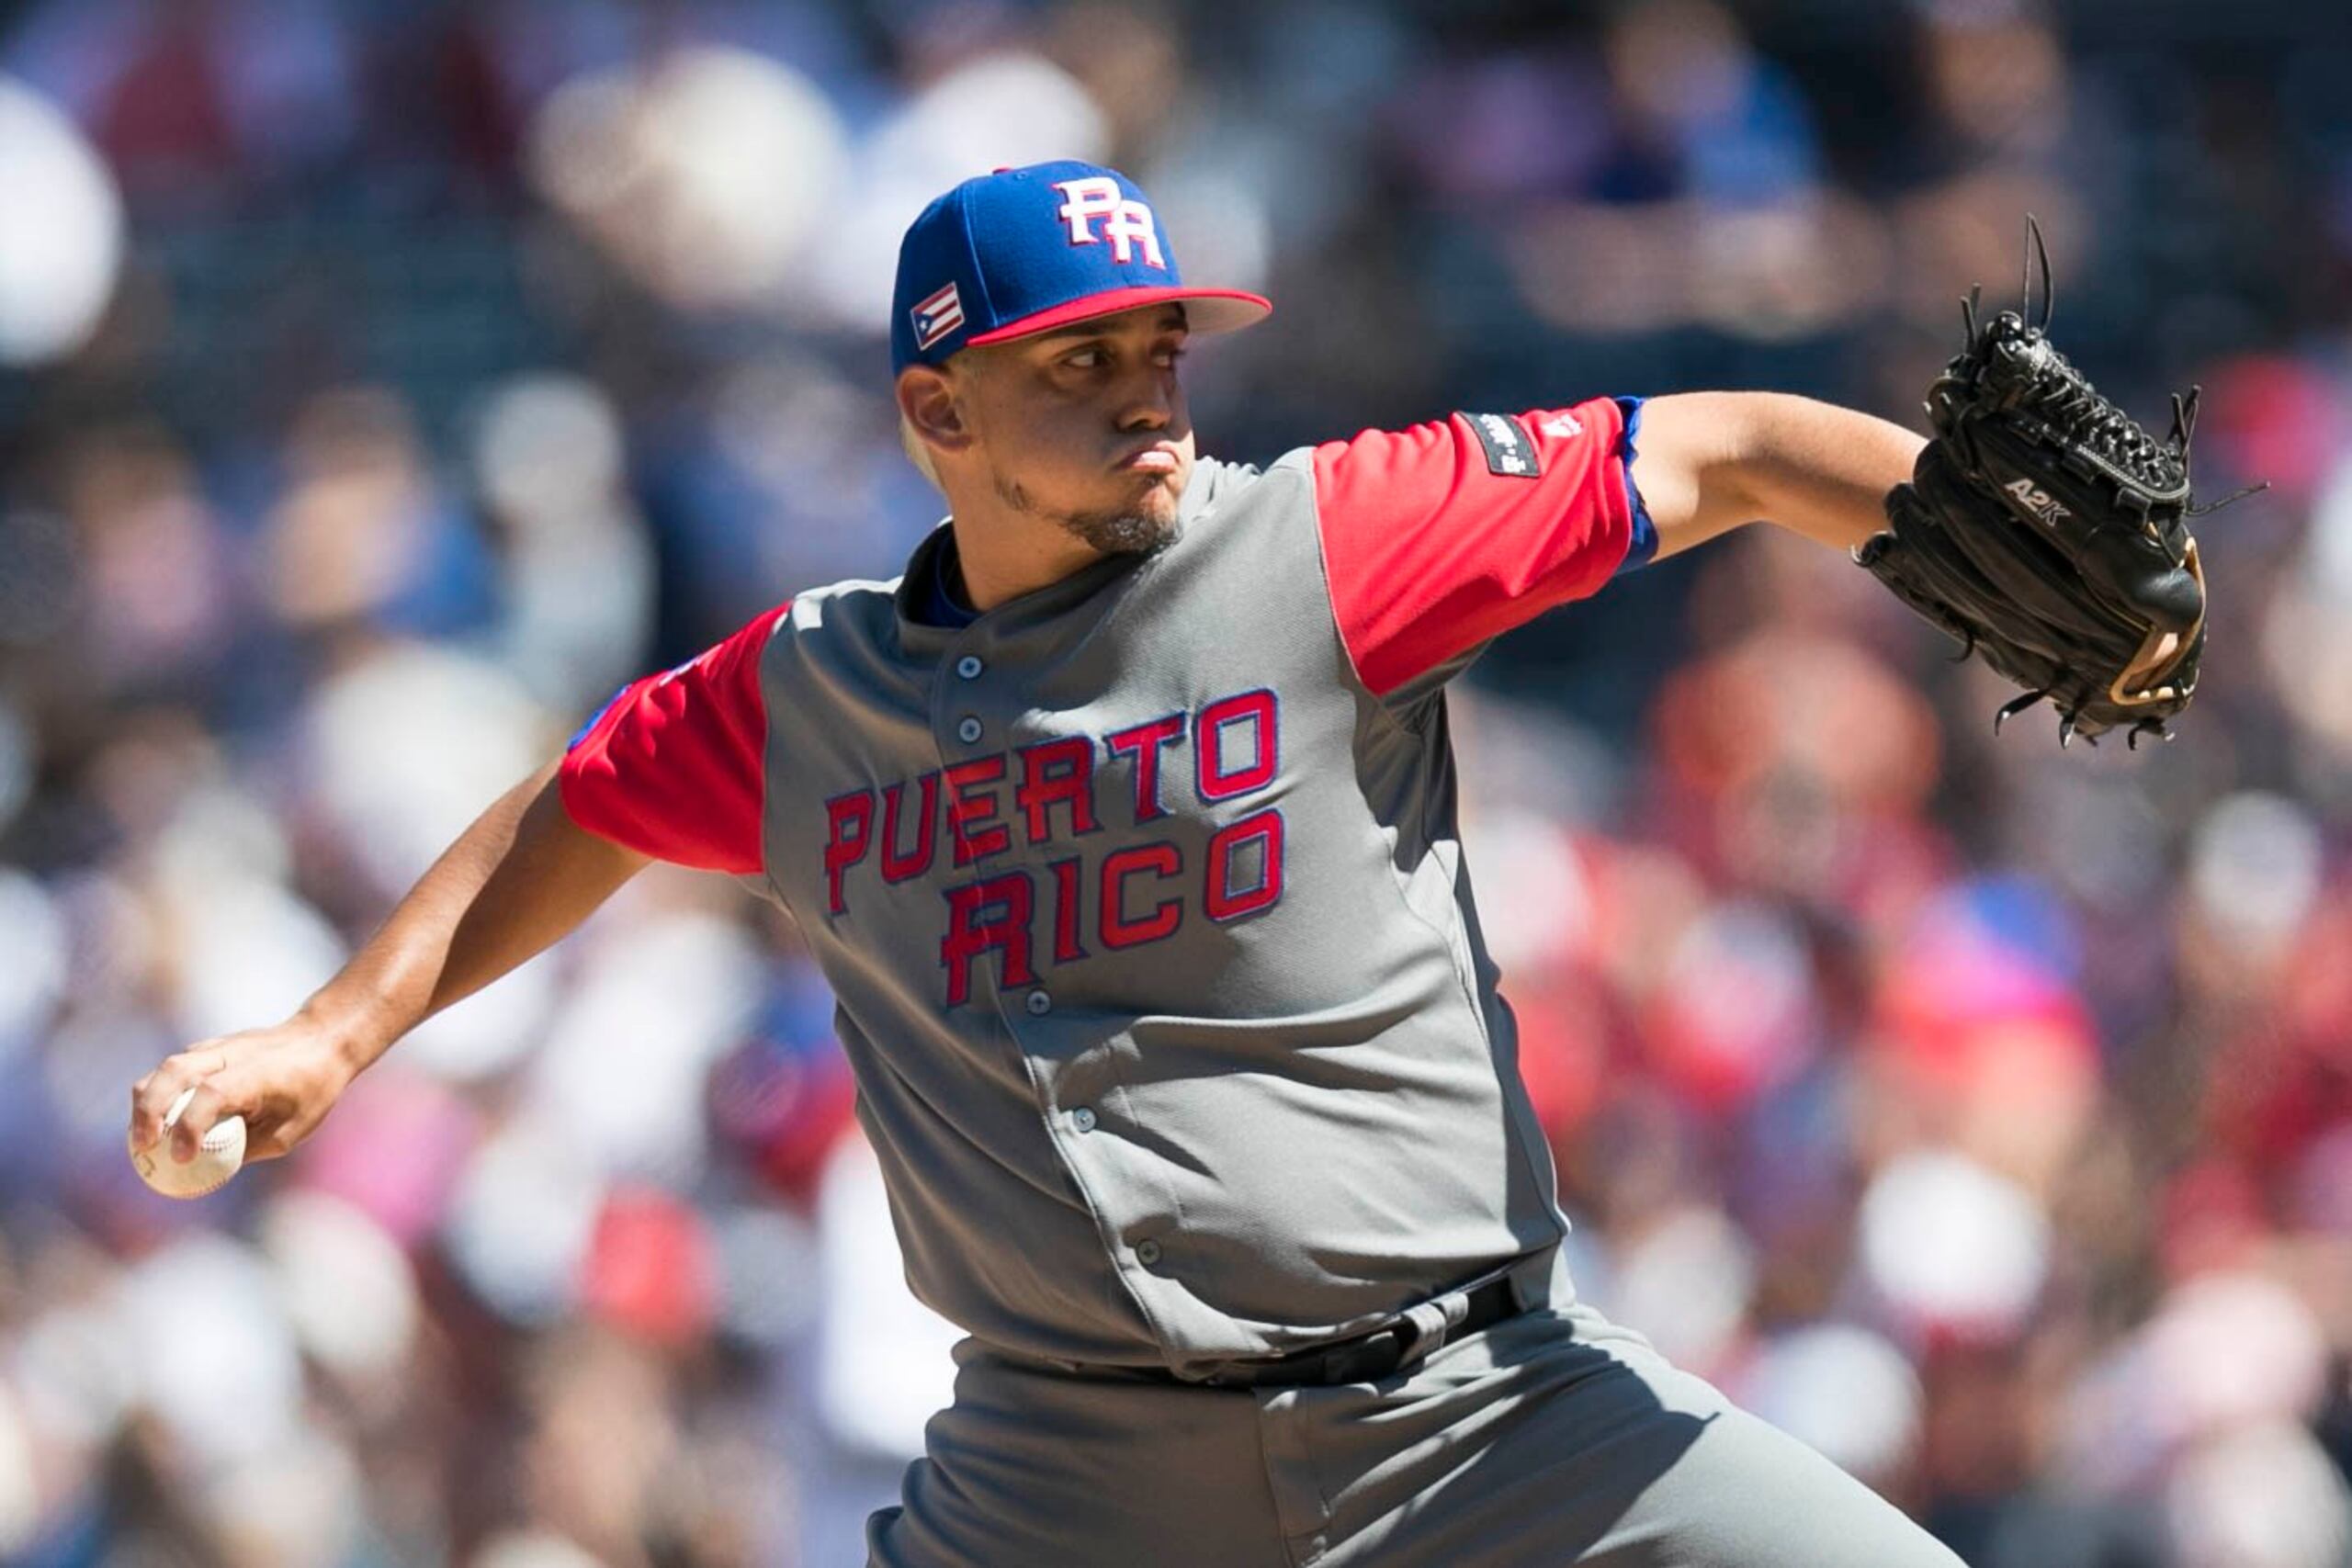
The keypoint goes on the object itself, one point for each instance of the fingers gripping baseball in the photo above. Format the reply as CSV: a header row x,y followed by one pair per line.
x,y
281,1080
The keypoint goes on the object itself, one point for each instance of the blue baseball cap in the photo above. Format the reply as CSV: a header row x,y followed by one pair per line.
x,y
1021,251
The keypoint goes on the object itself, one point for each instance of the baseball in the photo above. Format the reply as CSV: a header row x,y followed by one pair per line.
x,y
217,1158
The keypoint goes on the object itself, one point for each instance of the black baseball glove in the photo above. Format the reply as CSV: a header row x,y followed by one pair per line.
x,y
2048,532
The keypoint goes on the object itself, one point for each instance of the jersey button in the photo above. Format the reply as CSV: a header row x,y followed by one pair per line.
x,y
1039,1004
1147,1253
969,667
1083,1118
968,730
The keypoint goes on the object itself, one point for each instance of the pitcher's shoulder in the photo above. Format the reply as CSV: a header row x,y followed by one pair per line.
x,y
852,605
1218,487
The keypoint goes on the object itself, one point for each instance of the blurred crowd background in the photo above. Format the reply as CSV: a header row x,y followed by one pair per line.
x,y
382,384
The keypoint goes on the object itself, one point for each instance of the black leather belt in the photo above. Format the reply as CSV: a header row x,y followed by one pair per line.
x,y
1368,1358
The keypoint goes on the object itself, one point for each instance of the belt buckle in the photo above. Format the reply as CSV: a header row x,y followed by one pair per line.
x,y
1403,1344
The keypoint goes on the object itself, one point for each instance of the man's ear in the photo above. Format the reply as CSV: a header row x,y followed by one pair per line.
x,y
927,402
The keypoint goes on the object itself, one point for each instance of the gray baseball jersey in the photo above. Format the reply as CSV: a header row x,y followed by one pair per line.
x,y
1160,972
1154,953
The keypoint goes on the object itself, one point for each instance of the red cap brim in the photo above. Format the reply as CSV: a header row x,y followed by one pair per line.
x,y
1205,310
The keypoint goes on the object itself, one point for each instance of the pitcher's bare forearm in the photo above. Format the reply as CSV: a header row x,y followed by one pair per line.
x,y
523,877
1708,462
520,877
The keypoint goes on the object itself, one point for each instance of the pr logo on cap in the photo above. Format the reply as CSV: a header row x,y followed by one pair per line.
x,y
1131,221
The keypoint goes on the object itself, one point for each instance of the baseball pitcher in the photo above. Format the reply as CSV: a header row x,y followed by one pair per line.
x,y
1123,824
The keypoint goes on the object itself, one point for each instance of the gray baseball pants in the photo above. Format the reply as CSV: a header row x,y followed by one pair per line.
x,y
1551,1438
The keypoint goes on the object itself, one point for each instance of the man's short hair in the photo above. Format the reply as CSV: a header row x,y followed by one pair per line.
x,y
918,454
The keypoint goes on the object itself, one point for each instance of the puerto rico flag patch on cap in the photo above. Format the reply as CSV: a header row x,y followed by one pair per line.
x,y
936,317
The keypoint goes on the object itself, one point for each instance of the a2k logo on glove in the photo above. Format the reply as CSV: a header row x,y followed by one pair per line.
x,y
2036,500
1137,894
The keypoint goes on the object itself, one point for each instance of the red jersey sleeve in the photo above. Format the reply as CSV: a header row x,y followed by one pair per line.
x,y
1437,539
674,765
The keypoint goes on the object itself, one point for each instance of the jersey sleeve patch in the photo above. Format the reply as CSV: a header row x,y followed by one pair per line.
x,y
1510,450
674,766
1439,538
